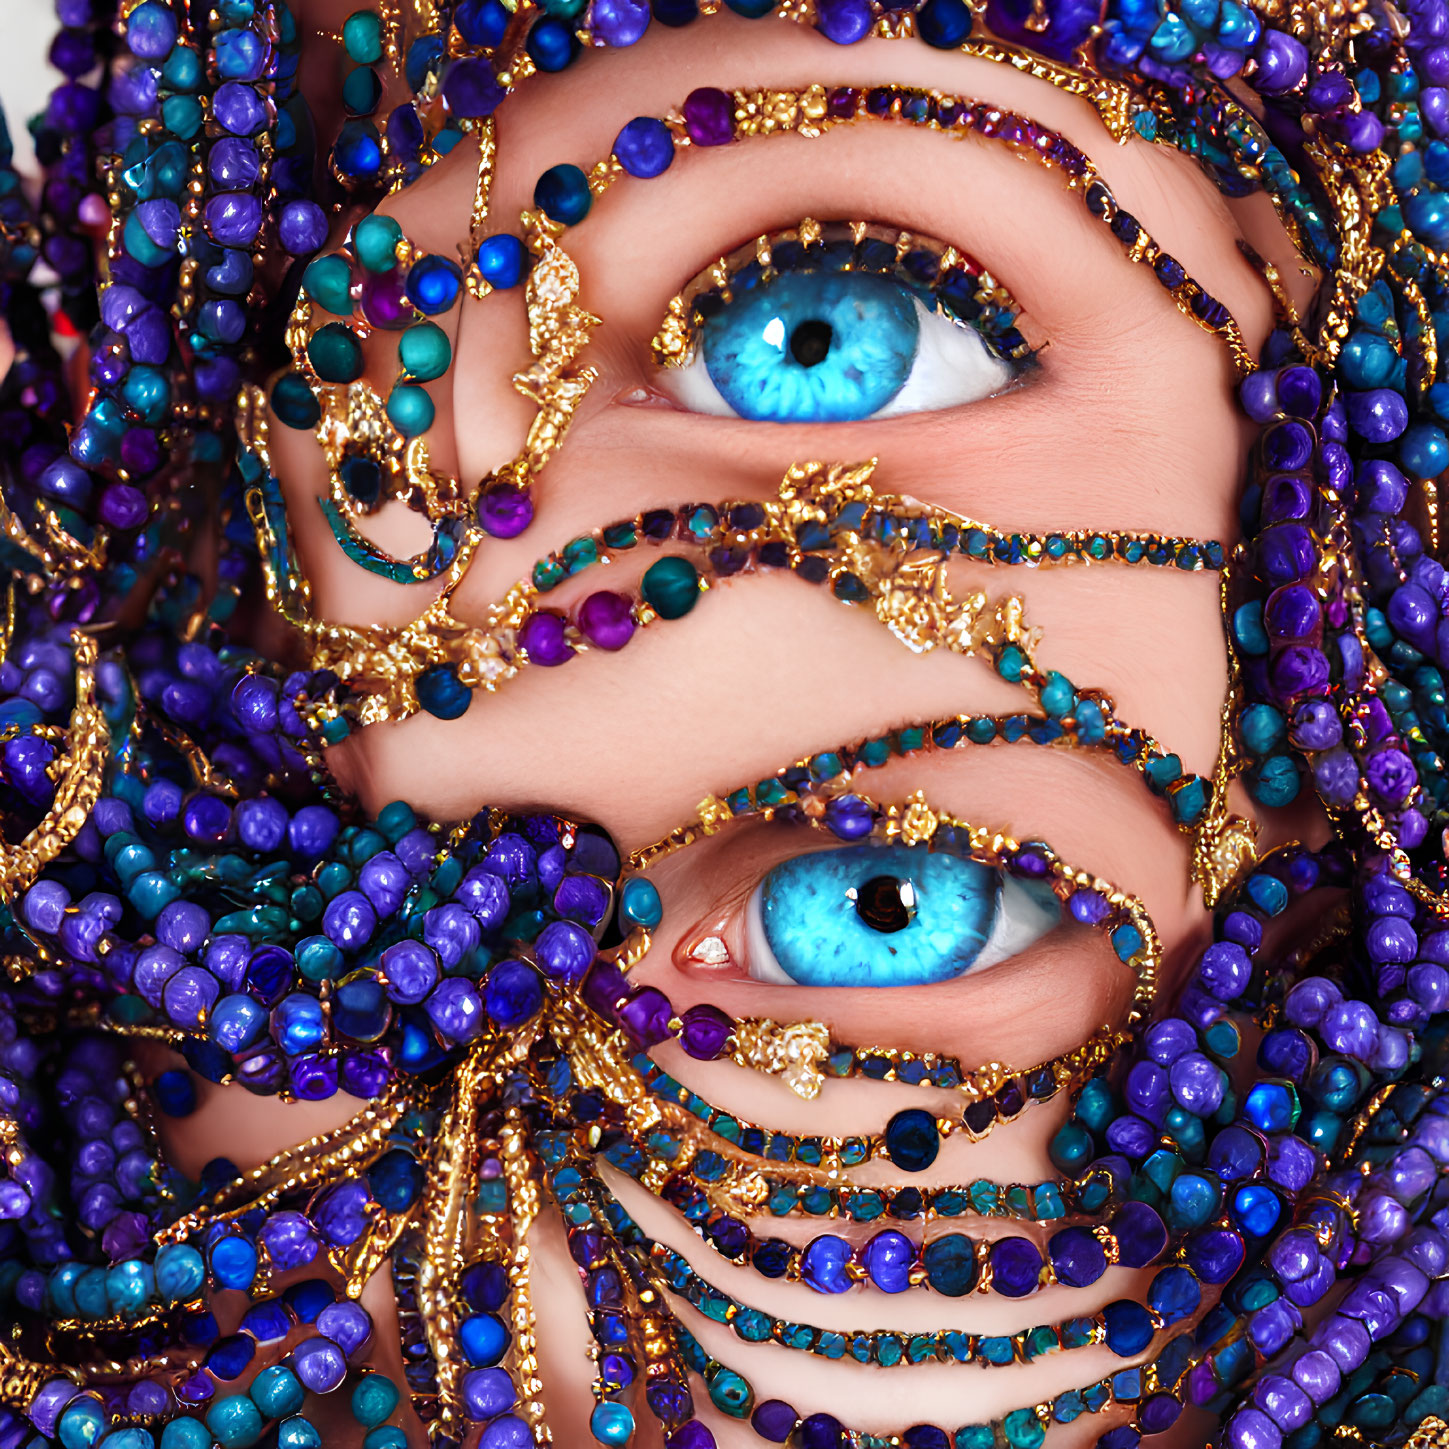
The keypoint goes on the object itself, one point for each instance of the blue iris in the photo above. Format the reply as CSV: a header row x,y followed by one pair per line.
x,y
813,347
898,915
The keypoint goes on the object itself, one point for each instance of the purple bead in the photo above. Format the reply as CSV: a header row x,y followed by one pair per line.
x,y
709,117
471,88
1286,553
645,147
1286,496
1317,1375
825,1265
233,218
349,920
1299,670
774,1421
646,1014
1300,390
189,995
1287,447
411,971
1315,725
1197,1084
1346,1340
1016,1266
1141,1235
1391,776
607,620
1146,1090
347,1324
505,511
582,898
1335,773
1292,613
619,23
1379,415
1282,63
1215,1254
545,641
1380,488
302,227
1252,1429
1259,396
850,818
384,881
45,1407
487,1393
319,1364
289,1241
341,1215
844,21
239,109
155,966
564,951
455,1009
1225,970
512,994
486,896
888,1257
705,1032
1078,1259
184,926
1167,1040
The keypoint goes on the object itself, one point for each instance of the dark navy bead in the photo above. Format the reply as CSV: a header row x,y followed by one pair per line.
x,y
950,1264
912,1139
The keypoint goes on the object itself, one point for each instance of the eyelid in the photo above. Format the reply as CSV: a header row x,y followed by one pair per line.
x,y
941,276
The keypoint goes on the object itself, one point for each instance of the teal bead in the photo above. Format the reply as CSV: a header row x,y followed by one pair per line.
x,y
130,1286
81,1424
731,1394
151,892
91,1298
410,409
1262,728
147,393
385,1436
640,904
277,1392
235,1422
375,240
1023,1430
1011,663
61,1289
1192,1202
129,1439
1071,1148
1057,695
134,238
671,587
180,1273
1096,1106
374,1398
361,91
1248,632
293,403
1424,450
328,282
335,353
611,1424
425,352
362,37
298,1433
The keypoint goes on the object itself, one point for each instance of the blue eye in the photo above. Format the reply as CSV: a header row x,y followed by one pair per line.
x,y
830,347
898,915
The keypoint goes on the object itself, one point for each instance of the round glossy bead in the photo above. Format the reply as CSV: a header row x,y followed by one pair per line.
x,y
502,260
645,147
563,194
335,353
671,587
362,37
410,409
912,1139
235,1421
950,1264
374,1398
375,239
425,352
611,1423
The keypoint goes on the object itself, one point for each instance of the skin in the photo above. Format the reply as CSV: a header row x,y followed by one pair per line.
x,y
1128,423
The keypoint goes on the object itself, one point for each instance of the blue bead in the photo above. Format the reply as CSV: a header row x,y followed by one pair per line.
x,y
175,1093
645,147
234,1262
563,194
943,24
484,1339
433,284
502,261
552,44
824,1265
912,1139
512,994
81,1424
442,693
1129,1328
1174,1293
1256,1210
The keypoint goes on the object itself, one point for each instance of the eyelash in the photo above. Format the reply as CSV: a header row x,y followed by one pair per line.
x,y
936,273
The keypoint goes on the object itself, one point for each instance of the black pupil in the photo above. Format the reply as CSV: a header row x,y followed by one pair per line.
x,y
810,342
878,903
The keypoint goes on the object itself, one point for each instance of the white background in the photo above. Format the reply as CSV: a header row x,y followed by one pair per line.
x,y
26,29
